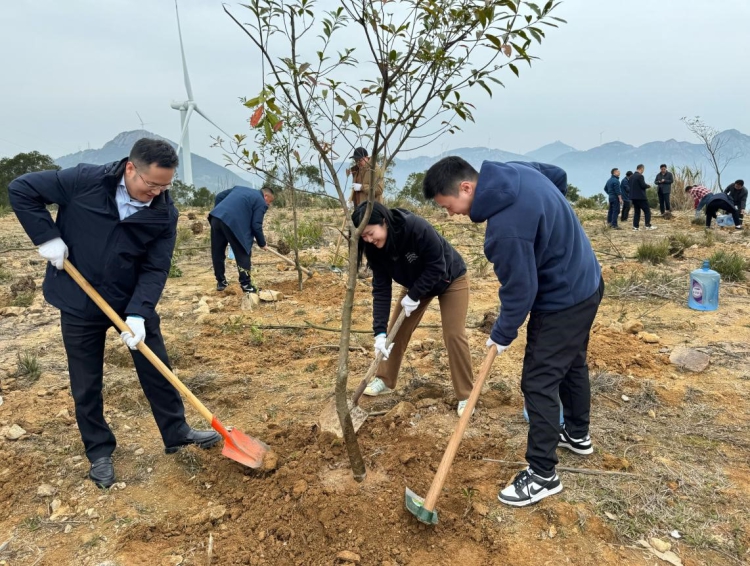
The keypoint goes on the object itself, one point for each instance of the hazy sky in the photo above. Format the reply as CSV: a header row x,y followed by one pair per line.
x,y
74,74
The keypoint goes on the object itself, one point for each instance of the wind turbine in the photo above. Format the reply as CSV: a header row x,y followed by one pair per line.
x,y
186,109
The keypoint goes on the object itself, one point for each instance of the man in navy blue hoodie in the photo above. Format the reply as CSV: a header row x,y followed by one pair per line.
x,y
547,268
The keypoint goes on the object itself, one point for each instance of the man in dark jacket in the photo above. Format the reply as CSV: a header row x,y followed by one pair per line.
x,y
615,198
719,201
625,191
237,220
547,268
738,194
663,182
639,199
117,224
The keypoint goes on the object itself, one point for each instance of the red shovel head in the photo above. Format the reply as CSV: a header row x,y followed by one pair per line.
x,y
240,447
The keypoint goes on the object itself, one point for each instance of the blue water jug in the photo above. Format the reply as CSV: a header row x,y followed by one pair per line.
x,y
703,294
230,255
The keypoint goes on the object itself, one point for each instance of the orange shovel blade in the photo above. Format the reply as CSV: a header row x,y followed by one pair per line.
x,y
240,447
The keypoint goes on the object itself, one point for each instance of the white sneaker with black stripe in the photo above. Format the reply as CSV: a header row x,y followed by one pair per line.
x,y
578,445
527,488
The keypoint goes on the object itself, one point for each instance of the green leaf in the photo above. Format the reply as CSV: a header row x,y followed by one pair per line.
x,y
495,40
513,68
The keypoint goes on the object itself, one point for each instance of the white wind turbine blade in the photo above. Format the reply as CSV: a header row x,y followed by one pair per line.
x,y
199,111
188,88
190,109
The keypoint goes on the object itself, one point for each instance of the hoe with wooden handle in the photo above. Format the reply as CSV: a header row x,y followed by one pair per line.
x,y
289,261
237,445
424,509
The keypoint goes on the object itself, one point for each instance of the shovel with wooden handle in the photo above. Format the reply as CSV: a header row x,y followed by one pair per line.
x,y
424,508
329,417
289,261
237,445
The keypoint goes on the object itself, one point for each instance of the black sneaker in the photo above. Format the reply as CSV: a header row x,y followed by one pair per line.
x,y
577,445
221,285
528,488
249,288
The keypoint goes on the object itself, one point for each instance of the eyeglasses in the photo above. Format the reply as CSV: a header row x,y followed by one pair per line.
x,y
151,185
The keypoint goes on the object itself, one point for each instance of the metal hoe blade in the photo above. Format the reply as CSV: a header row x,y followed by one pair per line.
x,y
415,506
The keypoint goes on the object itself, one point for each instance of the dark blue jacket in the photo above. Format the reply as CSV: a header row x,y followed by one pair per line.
x,y
540,252
242,209
421,260
638,187
721,200
126,261
613,187
625,190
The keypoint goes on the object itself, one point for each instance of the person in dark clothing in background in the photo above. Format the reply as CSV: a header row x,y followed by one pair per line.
x,y
625,192
719,201
118,225
615,198
405,248
237,220
546,268
738,194
663,182
639,199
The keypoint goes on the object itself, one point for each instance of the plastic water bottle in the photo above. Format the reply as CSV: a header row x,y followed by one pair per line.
x,y
703,294
230,255
526,414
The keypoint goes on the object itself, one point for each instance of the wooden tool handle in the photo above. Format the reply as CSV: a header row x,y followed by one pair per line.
x,y
286,259
450,452
378,358
145,350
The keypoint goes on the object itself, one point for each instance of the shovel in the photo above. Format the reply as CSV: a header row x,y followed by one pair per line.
x,y
424,509
329,418
237,445
289,261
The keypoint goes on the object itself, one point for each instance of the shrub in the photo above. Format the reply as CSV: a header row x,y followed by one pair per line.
x,y
309,234
23,299
595,202
730,265
678,243
28,366
653,252
5,210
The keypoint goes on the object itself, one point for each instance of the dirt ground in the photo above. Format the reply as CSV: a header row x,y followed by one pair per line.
x,y
671,446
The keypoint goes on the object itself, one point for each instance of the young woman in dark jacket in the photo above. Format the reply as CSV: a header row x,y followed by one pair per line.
x,y
405,248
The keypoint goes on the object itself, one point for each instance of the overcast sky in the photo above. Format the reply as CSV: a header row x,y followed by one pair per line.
x,y
74,74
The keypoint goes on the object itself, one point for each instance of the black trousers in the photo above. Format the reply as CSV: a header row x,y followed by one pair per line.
x,y
713,207
638,205
554,367
664,203
625,210
84,346
221,235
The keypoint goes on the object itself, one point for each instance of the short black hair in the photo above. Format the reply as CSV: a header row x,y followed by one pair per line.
x,y
629,174
688,187
613,170
740,182
640,166
147,151
444,177
268,189
662,165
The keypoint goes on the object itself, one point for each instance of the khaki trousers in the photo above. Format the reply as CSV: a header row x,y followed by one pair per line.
x,y
454,304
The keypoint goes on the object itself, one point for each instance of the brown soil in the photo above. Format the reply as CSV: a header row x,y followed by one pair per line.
x,y
683,436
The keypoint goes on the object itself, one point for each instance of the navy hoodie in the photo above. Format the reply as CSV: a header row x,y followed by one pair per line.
x,y
541,254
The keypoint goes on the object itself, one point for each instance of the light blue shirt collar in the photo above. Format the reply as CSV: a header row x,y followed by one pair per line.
x,y
127,206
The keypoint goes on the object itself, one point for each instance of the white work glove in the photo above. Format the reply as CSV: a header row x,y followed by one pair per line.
x,y
54,251
380,347
409,305
138,326
500,349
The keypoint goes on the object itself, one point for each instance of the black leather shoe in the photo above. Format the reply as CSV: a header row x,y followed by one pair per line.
x,y
201,438
102,472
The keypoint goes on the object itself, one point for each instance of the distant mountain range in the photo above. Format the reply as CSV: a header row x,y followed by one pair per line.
x,y
588,170
206,173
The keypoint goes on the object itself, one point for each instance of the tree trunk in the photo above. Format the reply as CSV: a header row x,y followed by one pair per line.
x,y
296,238
342,407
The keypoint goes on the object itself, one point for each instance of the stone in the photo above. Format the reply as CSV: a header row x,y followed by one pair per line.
x,y
480,508
249,301
46,490
632,326
424,403
400,412
119,485
552,533
14,432
689,359
217,512
406,457
300,487
64,414
139,452
202,309
270,296
648,337
11,311
348,556
270,461
68,529
429,391
660,545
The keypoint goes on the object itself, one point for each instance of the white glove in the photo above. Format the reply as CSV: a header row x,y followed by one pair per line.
x,y
138,326
409,305
54,251
500,349
380,346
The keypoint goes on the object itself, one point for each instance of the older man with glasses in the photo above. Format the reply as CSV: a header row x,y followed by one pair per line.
x,y
117,224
